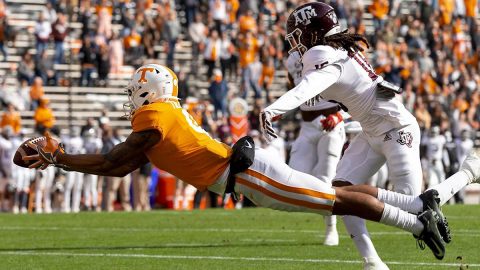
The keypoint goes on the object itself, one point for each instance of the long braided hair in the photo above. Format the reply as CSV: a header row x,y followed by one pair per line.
x,y
347,41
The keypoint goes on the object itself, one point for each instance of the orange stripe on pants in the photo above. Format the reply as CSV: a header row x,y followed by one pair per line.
x,y
283,198
278,185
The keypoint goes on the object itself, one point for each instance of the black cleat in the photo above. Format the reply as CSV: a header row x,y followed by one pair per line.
x,y
432,201
430,234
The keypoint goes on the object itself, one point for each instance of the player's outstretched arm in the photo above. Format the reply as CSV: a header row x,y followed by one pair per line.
x,y
121,160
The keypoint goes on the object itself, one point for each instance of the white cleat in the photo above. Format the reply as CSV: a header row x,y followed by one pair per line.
x,y
331,237
374,264
471,166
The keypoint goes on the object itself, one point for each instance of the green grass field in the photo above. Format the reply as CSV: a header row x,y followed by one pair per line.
x,y
215,239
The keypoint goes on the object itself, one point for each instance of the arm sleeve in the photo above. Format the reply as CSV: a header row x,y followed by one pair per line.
x,y
312,84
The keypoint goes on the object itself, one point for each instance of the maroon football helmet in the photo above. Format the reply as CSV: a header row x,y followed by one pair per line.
x,y
309,23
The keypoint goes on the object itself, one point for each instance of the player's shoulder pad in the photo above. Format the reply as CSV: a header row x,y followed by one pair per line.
x,y
320,56
294,62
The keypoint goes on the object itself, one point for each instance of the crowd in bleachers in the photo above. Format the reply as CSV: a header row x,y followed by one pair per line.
x,y
237,48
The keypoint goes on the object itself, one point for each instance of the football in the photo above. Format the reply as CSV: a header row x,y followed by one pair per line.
x,y
24,150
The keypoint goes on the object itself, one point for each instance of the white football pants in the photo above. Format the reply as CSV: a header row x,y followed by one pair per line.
x,y
74,182
90,191
271,183
43,190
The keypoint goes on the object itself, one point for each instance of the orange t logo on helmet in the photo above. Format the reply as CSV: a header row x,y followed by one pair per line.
x,y
144,71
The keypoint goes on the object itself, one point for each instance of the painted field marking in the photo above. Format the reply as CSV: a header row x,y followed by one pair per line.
x,y
223,258
462,232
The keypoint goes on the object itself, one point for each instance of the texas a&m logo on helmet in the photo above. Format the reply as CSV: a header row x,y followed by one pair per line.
x,y
310,23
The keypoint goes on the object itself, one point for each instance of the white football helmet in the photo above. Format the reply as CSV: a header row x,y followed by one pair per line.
x,y
151,83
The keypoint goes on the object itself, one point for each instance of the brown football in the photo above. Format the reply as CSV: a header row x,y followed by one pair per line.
x,y
24,150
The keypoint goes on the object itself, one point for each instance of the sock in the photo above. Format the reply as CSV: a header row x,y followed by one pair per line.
x,y
412,204
394,216
24,201
451,185
358,232
330,221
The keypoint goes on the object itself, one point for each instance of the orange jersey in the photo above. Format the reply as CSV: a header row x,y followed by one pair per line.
x,y
185,150
11,119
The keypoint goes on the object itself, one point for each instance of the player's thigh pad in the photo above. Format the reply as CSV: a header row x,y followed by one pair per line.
x,y
401,148
359,162
303,156
329,150
271,183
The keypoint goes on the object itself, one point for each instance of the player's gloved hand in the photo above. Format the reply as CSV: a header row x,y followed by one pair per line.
x,y
331,121
266,126
47,155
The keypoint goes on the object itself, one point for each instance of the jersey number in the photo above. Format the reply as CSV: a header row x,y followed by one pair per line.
x,y
193,124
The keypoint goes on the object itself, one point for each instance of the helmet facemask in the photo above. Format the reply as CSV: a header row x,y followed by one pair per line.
x,y
294,39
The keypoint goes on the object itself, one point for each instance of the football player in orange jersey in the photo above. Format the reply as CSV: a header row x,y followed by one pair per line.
x,y
168,137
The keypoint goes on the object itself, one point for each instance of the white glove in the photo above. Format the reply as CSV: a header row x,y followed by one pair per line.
x,y
266,126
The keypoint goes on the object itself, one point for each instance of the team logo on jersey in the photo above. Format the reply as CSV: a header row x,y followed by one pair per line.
x,y
304,15
405,138
387,138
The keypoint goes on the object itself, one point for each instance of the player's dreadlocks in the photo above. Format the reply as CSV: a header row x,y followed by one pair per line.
x,y
346,40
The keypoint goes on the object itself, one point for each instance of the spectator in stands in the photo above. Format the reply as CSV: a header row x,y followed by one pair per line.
x,y
248,49
3,37
268,74
43,29
183,85
103,64
45,70
226,50
218,11
88,60
191,7
104,19
247,22
36,93
197,33
11,118
116,54
133,47
211,53
379,10
218,92
44,117
49,13
171,30
59,33
26,69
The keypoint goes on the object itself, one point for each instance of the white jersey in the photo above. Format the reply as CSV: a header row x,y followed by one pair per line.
x,y
435,146
463,148
74,145
7,151
294,67
92,145
350,81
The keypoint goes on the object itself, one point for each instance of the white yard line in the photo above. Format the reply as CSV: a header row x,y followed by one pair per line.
x,y
221,258
465,232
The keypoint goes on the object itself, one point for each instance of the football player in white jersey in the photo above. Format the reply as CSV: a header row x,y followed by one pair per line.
x,y
464,145
74,180
334,69
435,154
92,145
318,147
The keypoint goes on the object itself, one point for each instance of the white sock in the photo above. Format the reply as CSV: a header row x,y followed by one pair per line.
x,y
412,204
330,222
394,216
358,232
451,185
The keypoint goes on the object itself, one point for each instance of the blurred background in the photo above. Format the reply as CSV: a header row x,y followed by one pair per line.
x,y
65,63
